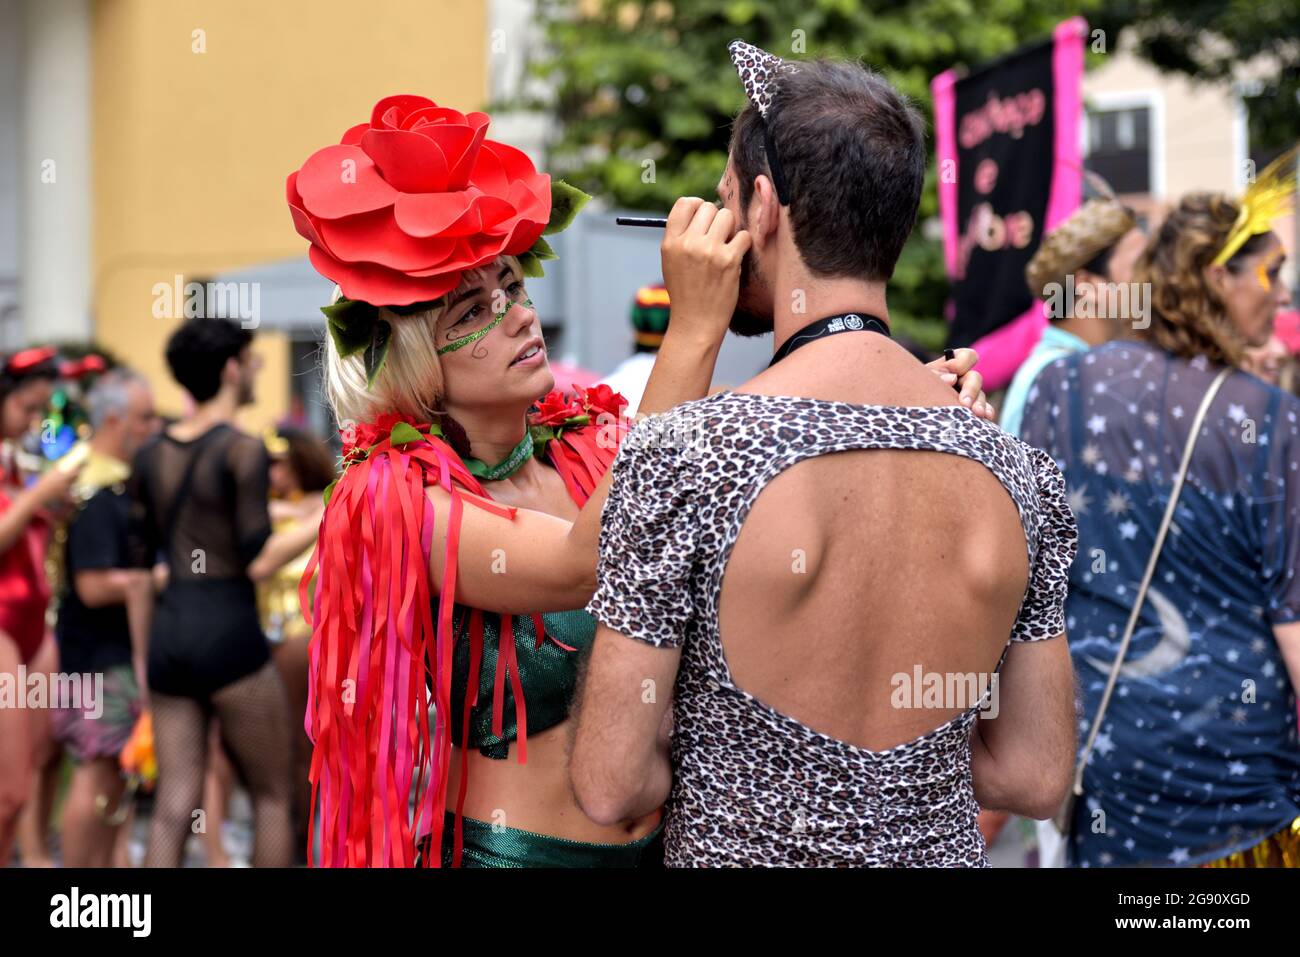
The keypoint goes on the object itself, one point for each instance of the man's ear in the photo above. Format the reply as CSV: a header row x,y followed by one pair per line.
x,y
230,371
764,211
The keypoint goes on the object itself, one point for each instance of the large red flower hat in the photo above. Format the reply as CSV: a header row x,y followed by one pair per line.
x,y
404,204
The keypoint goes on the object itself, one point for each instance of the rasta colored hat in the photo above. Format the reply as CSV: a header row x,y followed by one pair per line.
x,y
650,311
405,204
1091,229
1271,195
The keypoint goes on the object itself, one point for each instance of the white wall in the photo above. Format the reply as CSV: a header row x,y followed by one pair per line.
x,y
56,216
11,71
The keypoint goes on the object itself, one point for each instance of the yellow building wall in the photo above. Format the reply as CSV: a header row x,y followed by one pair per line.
x,y
191,149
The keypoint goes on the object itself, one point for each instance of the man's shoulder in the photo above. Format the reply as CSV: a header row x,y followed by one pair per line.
x,y
107,500
673,433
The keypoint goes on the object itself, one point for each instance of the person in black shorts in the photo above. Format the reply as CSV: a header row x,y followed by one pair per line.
x,y
199,493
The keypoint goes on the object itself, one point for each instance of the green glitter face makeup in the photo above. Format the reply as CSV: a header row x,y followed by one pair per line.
x,y
496,321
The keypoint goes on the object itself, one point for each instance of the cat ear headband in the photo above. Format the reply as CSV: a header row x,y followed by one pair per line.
x,y
759,71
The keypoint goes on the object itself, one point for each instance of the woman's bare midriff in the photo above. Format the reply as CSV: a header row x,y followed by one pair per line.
x,y
536,796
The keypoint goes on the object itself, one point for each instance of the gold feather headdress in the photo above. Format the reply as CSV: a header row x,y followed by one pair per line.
x,y
1269,197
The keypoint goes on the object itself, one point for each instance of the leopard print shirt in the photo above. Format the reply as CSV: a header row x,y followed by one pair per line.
x,y
753,786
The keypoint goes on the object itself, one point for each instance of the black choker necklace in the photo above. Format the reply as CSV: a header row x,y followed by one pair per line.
x,y
844,322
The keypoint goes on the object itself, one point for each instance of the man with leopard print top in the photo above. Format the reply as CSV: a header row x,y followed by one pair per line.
x,y
824,659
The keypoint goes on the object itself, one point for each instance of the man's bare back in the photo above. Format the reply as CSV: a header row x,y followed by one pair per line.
x,y
872,562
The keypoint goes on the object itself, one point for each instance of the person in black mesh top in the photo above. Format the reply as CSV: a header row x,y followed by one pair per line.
x,y
199,507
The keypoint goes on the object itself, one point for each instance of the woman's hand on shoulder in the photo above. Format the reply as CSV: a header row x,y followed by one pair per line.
x,y
959,372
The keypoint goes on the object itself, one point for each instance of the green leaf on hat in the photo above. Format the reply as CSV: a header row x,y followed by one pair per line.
x,y
566,200
531,262
351,324
377,350
530,265
542,250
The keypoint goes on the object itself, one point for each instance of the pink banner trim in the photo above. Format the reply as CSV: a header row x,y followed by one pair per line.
x,y
943,89
1004,349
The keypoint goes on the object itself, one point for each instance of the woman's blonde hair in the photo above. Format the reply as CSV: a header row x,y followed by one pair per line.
x,y
1188,318
411,380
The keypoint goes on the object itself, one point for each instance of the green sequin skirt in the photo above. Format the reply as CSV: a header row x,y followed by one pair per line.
x,y
486,845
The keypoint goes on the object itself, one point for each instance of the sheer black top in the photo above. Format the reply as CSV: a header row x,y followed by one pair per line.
x,y
216,526
201,507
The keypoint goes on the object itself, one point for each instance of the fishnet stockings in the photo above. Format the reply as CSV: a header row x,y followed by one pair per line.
x,y
253,716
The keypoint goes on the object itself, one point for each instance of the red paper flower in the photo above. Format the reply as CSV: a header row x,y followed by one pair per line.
x,y
366,434
554,408
407,202
601,398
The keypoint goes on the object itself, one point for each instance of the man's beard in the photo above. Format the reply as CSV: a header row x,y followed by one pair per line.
x,y
748,319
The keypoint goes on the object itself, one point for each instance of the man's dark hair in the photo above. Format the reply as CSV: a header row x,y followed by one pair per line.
x,y
852,150
199,350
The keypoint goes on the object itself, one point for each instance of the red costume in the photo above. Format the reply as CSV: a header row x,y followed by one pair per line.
x,y
396,213
375,645
24,591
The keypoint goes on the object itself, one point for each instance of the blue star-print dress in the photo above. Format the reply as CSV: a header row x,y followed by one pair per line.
x,y
1197,755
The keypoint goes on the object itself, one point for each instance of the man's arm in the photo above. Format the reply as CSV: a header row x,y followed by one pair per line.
x,y
619,767
139,617
1022,760
100,587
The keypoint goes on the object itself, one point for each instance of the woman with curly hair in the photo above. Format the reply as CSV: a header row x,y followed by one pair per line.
x,y
1195,759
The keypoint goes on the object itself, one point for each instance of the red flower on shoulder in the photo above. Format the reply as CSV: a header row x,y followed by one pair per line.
x,y
601,398
554,408
362,435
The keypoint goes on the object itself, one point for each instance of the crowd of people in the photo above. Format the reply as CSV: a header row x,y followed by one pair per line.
x,y
644,623
175,551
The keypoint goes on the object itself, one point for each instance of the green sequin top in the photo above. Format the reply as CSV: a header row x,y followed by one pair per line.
x,y
548,675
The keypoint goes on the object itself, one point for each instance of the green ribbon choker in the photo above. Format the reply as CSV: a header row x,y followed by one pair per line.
x,y
512,463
